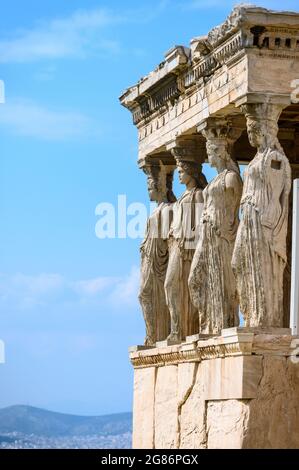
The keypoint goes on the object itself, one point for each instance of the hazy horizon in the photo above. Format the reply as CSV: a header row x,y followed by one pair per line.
x,y
68,300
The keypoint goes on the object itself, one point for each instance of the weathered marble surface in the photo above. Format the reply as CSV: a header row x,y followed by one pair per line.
x,y
155,255
221,399
260,254
225,68
182,242
239,389
211,281
144,408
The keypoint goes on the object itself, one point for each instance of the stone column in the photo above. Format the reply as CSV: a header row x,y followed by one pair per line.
x,y
211,282
154,252
183,236
260,253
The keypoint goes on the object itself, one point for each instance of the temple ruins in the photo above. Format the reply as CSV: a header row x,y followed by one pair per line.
x,y
219,366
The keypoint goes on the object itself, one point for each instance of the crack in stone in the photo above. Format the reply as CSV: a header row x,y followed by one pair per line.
x,y
183,401
154,413
205,424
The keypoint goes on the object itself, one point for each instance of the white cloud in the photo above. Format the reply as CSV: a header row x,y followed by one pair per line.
x,y
25,292
38,285
126,289
26,118
72,36
41,343
93,286
203,4
82,33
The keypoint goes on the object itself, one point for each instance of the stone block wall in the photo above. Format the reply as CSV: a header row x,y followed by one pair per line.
x,y
239,390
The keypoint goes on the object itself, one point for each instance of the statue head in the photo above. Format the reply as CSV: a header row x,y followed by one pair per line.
x,y
261,133
190,170
218,155
155,186
262,124
159,183
217,152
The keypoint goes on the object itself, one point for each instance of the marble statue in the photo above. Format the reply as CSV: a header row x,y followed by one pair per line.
x,y
260,253
239,388
211,281
182,242
154,255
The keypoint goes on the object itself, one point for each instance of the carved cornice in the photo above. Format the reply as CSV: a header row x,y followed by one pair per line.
x,y
189,355
247,30
262,111
233,342
220,129
188,148
215,129
155,160
159,98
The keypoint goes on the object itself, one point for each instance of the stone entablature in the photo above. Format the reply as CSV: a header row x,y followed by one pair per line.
x,y
232,65
232,342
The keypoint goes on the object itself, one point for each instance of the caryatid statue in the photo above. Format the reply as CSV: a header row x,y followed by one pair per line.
x,y
260,253
182,242
211,281
154,254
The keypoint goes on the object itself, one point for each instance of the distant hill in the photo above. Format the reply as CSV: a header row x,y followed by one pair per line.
x,y
31,420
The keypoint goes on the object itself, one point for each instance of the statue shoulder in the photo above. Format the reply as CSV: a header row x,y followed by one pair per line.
x,y
276,159
233,180
198,196
273,155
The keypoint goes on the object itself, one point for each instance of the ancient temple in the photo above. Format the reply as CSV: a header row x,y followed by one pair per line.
x,y
202,380
2,346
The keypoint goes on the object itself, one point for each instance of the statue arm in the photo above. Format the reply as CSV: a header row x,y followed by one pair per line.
x,y
143,243
280,230
233,183
233,188
199,201
166,221
199,204
272,216
193,280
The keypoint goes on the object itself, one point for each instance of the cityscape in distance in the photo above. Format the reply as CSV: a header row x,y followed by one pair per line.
x,y
27,427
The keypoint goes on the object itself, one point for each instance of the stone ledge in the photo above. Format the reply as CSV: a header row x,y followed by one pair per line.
x,y
230,402
232,342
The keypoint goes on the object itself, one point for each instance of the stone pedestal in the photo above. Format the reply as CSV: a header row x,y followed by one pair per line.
x,y
236,390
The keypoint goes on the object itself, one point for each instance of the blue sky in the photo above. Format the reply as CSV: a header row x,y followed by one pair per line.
x,y
68,301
